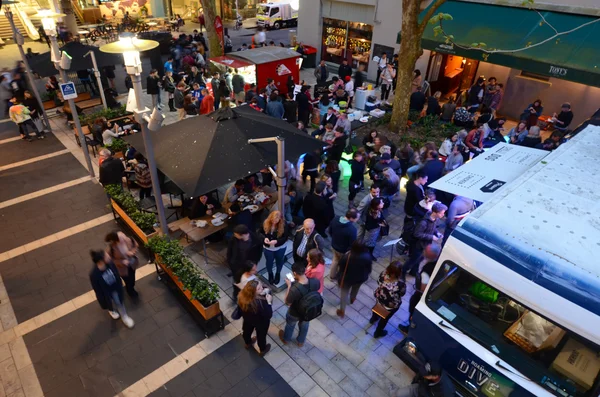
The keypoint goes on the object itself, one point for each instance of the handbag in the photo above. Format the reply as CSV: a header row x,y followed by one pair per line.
x,y
384,230
341,280
237,313
380,310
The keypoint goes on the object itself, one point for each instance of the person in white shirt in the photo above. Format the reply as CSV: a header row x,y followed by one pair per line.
x,y
381,65
260,37
349,87
108,134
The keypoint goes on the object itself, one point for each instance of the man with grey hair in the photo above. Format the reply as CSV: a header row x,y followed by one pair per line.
x,y
306,238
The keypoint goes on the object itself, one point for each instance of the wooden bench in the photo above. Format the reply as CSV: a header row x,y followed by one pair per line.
x,y
89,103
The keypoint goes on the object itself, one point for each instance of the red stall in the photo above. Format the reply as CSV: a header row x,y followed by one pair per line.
x,y
259,64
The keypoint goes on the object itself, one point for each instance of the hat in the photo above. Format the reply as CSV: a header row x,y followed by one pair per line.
x,y
386,156
347,78
566,105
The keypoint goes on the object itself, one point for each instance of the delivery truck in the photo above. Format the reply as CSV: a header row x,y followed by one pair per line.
x,y
277,15
512,307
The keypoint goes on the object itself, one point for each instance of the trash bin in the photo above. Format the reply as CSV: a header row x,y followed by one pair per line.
x,y
310,57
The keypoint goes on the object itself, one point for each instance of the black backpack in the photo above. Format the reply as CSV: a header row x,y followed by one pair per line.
x,y
310,306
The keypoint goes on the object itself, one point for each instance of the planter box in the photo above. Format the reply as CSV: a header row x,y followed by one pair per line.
x,y
207,312
132,226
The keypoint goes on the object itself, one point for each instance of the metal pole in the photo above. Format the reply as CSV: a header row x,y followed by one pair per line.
x,y
15,31
136,79
97,74
281,181
63,77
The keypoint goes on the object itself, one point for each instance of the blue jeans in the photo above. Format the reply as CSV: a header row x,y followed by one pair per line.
x,y
277,256
290,324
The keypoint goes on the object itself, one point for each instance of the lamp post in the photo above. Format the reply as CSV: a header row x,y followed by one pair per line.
x,y
19,40
62,62
130,46
280,174
98,79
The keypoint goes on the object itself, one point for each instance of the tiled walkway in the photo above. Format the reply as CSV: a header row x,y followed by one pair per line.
x,y
56,341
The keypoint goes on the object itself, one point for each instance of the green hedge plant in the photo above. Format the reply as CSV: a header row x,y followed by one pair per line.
x,y
144,220
172,256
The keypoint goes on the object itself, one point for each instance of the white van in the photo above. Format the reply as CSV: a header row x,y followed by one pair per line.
x,y
513,305
277,15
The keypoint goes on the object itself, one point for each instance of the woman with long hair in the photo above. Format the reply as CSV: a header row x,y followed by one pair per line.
x,y
388,294
517,134
329,195
373,224
316,266
274,233
257,312
168,84
354,269
333,169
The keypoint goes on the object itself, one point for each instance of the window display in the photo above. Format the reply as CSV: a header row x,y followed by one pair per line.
x,y
346,40
553,357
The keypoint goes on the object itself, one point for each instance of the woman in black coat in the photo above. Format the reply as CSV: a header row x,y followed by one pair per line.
x,y
106,283
256,310
354,269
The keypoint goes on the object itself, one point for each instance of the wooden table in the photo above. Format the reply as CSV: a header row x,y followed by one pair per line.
x,y
196,234
89,103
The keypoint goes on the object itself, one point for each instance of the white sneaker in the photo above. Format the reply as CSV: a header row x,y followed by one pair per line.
x,y
114,315
128,321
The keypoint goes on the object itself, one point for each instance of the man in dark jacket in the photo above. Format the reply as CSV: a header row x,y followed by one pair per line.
x,y
434,383
306,238
111,171
303,105
386,161
311,168
343,234
153,88
328,118
426,232
417,100
476,95
244,246
433,168
179,100
344,70
315,207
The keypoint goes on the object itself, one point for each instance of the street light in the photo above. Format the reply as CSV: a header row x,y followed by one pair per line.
x,y
19,40
62,62
130,47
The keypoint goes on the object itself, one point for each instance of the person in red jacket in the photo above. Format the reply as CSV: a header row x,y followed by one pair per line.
x,y
474,141
208,102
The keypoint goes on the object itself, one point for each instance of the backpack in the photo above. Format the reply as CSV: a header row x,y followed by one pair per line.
x,y
310,306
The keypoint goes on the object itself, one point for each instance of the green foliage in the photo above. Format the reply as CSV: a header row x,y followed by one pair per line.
x,y
172,256
117,145
144,220
426,129
384,120
108,113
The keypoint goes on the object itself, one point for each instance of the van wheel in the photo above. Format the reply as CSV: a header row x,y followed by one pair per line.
x,y
276,26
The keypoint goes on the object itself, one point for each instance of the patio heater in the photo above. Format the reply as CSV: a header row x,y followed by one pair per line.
x,y
20,40
130,46
280,174
62,62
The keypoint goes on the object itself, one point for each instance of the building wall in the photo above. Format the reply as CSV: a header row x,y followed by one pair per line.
x,y
310,27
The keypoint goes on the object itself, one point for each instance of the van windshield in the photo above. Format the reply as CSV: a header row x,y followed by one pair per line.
x,y
262,10
544,352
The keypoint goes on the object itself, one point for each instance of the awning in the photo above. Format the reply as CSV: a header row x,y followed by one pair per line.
x,y
486,174
231,62
261,55
574,56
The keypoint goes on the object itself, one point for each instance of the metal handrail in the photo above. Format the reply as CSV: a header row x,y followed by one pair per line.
x,y
26,22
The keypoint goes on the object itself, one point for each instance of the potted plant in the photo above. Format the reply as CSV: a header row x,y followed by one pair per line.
x,y
124,204
201,292
118,147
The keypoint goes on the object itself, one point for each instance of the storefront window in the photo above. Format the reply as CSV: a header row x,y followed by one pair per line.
x,y
346,40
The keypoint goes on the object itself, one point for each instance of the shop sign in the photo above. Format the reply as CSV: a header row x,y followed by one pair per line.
x,y
447,48
556,71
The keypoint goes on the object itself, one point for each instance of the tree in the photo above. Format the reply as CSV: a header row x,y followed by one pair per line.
x,y
410,50
214,41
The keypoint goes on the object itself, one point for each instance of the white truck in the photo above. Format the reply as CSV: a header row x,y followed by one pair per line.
x,y
512,307
277,15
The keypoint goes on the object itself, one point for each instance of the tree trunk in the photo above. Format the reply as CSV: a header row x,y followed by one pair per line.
x,y
410,51
214,41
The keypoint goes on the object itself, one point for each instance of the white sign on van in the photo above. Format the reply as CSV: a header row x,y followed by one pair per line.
x,y
482,177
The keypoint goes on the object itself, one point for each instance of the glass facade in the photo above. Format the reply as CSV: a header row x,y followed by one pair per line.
x,y
346,40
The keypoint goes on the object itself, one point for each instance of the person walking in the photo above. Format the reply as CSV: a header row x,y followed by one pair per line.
x,y
343,234
306,239
108,288
256,312
357,176
142,176
20,115
389,292
123,252
179,100
237,82
274,234
153,88
363,209
321,73
304,302
35,110
244,246
387,78
373,224
316,267
356,266
381,66
168,84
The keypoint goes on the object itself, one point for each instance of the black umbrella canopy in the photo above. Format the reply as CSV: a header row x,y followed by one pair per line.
x,y
42,64
203,153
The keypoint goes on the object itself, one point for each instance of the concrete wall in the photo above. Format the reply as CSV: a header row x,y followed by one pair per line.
x,y
488,70
520,91
310,25
389,13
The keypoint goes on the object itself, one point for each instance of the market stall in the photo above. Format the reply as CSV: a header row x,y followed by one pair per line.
x,y
259,64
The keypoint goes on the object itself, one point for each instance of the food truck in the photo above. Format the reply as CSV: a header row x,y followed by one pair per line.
x,y
512,307
259,64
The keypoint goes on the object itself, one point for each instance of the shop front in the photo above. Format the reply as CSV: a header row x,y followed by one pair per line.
x,y
559,70
346,40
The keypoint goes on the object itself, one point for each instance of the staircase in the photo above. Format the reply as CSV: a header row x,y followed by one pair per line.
x,y
6,31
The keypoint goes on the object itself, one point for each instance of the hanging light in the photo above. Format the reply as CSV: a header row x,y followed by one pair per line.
x,y
49,18
130,46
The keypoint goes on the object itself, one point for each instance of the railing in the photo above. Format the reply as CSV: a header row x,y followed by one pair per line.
x,y
77,10
26,22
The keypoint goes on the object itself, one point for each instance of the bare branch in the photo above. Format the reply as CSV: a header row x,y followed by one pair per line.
x,y
497,51
432,10
546,22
